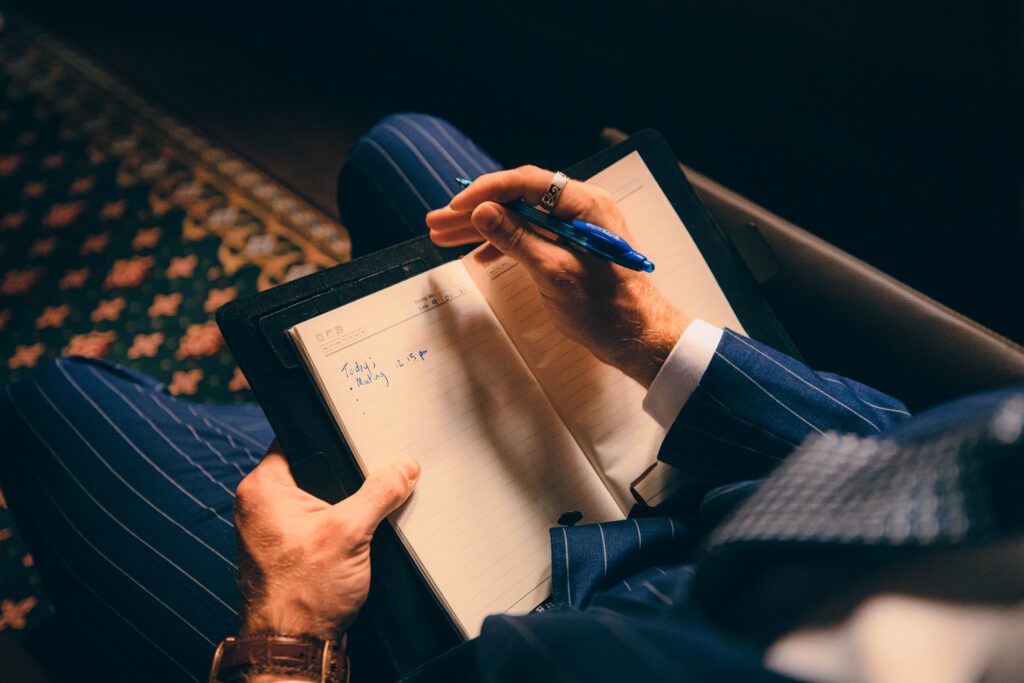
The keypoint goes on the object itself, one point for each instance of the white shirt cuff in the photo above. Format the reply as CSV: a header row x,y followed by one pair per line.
x,y
682,372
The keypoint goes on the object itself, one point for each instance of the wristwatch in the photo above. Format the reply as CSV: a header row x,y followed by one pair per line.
x,y
303,658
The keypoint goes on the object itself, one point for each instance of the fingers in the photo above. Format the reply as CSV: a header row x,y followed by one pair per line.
x,y
528,183
382,493
446,218
513,237
476,213
455,238
452,228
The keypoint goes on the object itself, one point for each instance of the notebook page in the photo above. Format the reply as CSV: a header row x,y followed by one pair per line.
x,y
600,405
423,368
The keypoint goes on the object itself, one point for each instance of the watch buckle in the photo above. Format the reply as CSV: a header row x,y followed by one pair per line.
x,y
218,655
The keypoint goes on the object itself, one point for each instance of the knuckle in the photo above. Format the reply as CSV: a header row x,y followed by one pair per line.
x,y
547,270
244,491
391,488
338,527
381,488
530,178
590,205
598,201
563,273
604,199
514,238
568,267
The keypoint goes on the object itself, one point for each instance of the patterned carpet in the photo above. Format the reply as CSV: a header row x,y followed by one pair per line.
x,y
122,230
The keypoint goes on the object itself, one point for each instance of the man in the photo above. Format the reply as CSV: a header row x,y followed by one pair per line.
x,y
860,551
734,410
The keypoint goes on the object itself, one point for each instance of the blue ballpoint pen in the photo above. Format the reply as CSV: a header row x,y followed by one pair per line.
x,y
589,237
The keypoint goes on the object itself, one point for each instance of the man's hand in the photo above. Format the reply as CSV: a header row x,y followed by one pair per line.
x,y
615,312
304,565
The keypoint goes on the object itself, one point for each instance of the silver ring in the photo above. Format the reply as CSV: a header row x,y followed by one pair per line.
x,y
554,191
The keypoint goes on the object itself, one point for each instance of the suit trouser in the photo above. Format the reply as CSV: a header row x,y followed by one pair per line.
x,y
124,492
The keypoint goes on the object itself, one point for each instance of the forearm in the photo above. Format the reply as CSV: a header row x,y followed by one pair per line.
x,y
789,399
751,406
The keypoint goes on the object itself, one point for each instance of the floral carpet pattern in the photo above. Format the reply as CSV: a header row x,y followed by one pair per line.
x,y
122,231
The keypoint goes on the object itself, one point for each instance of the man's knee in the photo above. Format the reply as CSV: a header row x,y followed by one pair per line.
x,y
419,149
389,130
71,375
394,136
403,167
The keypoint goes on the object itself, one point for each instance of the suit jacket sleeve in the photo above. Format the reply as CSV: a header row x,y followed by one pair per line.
x,y
753,405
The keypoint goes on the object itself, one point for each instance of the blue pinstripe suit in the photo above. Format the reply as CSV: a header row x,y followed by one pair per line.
x,y
125,492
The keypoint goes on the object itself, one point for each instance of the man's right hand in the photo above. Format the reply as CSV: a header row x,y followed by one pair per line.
x,y
615,312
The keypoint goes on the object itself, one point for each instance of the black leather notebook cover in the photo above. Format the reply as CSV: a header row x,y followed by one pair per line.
x,y
402,610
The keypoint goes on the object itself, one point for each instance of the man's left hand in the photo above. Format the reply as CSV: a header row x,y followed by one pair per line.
x,y
304,565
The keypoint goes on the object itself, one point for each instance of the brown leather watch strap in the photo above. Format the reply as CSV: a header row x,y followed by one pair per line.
x,y
303,658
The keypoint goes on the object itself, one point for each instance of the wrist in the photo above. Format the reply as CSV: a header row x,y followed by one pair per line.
x,y
288,619
645,352
280,659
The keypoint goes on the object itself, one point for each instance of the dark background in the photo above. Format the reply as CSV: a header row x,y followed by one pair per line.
x,y
890,128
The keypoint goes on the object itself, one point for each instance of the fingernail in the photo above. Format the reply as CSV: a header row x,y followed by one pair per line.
x,y
409,467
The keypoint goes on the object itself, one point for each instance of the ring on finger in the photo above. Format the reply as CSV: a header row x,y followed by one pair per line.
x,y
554,191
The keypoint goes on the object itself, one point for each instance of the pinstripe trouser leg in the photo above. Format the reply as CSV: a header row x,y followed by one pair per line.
x,y
125,493
404,167
125,496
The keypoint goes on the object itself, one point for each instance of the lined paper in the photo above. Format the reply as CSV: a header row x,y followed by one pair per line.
x,y
424,368
600,405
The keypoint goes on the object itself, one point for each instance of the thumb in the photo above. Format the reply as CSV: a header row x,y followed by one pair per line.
x,y
511,235
382,493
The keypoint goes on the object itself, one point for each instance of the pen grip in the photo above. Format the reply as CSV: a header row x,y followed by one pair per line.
x,y
585,236
599,237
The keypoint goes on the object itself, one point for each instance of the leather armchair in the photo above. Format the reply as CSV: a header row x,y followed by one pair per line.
x,y
847,317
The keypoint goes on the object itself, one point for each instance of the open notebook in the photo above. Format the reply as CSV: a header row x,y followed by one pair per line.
x,y
513,424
